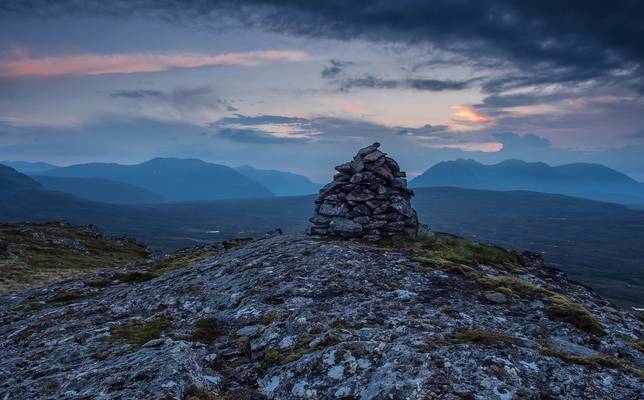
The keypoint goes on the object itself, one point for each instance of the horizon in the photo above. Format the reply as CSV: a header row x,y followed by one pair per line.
x,y
411,175
249,84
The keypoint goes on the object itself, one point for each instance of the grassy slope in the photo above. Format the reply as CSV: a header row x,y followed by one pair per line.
x,y
38,255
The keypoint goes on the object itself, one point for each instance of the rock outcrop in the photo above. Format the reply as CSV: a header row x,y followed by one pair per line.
x,y
295,317
368,198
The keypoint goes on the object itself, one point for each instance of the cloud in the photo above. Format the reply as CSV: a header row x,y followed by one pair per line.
x,y
247,120
255,136
463,113
335,69
432,85
129,63
190,103
425,131
512,141
532,43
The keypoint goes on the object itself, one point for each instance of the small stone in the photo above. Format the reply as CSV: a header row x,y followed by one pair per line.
x,y
345,226
496,297
360,196
366,150
344,168
333,210
373,156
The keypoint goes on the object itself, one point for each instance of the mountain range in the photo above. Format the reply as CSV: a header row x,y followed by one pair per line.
x,y
280,183
597,243
591,181
172,178
165,180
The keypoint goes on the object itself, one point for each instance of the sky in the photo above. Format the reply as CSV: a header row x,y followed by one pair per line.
x,y
300,86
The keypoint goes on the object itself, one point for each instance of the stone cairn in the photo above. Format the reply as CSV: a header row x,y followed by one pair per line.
x,y
368,199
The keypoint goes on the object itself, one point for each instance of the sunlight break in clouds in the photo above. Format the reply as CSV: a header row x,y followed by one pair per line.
x,y
128,63
469,114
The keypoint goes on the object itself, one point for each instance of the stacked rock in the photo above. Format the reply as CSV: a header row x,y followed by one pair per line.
x,y
368,199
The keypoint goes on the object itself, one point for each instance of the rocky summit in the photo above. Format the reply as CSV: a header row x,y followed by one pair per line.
x,y
296,317
368,198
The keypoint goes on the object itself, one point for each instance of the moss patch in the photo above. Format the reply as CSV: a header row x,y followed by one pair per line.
x,y
593,361
182,259
441,249
206,330
65,297
487,338
231,244
139,333
563,309
40,253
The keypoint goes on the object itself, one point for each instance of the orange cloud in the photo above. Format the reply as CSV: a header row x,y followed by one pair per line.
x,y
349,106
469,114
128,63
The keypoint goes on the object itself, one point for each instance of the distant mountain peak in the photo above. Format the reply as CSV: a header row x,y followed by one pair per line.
x,y
593,181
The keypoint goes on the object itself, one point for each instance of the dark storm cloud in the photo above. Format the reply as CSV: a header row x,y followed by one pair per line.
x,y
522,99
335,69
182,99
427,130
550,40
255,136
247,120
432,85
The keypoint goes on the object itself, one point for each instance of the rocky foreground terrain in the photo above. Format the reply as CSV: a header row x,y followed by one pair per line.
x,y
292,317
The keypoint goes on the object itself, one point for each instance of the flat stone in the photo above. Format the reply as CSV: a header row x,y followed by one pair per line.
x,y
571,348
403,207
344,168
360,196
345,226
384,172
357,165
366,150
333,210
496,297
373,156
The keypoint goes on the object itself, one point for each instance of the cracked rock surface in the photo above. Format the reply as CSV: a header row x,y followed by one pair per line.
x,y
293,317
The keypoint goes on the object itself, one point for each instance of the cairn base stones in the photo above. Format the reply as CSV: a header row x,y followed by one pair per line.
x,y
368,198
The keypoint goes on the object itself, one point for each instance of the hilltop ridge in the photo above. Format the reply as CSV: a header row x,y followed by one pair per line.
x,y
290,317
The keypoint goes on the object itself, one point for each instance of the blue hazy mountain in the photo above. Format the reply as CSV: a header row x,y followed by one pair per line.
x,y
29,168
279,182
173,178
99,189
12,180
591,181
566,229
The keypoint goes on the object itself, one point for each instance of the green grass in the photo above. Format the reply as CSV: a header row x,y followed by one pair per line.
x,y
441,249
37,260
181,259
564,309
65,297
593,361
206,330
482,337
139,333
